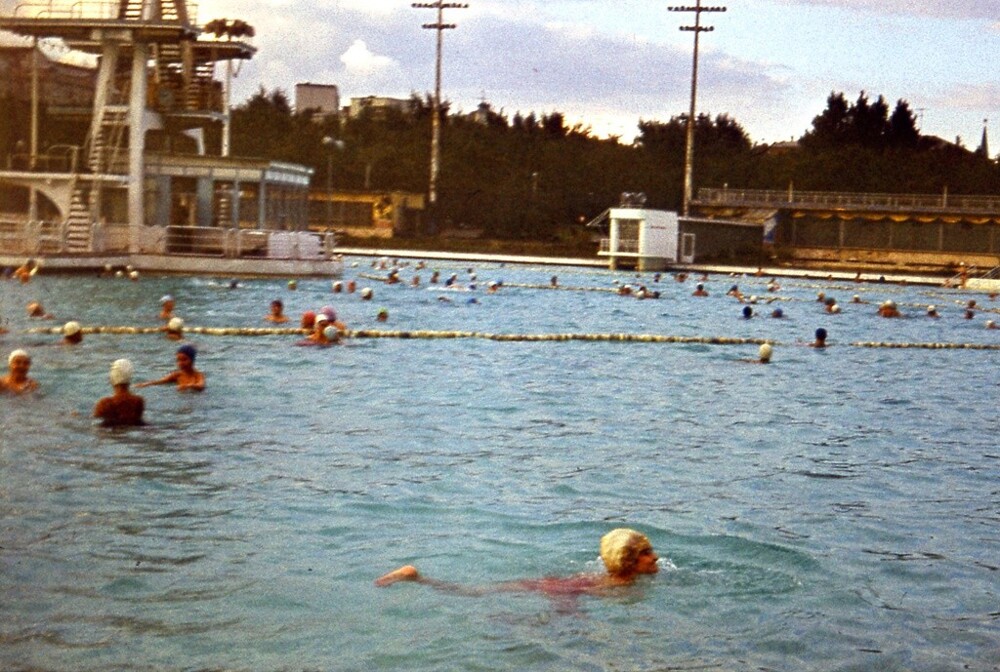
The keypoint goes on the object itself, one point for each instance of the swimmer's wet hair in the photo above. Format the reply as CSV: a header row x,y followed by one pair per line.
x,y
620,549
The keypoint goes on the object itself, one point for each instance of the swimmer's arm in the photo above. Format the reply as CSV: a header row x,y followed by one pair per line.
x,y
410,573
169,378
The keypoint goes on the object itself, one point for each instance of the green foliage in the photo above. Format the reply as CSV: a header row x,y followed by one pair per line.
x,y
531,177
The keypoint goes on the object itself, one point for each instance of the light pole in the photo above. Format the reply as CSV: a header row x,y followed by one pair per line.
x,y
332,144
697,29
440,26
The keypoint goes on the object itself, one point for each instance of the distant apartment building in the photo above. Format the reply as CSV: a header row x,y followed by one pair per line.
x,y
325,98
377,105
59,84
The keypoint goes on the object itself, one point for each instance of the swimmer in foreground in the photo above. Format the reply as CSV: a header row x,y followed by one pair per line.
x,y
17,380
186,376
627,554
123,408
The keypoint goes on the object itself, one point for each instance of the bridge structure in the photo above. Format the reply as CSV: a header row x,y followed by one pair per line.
x,y
932,231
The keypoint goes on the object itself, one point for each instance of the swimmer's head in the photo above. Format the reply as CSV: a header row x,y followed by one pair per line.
x,y
188,351
990,324
366,293
293,284
175,325
133,275
18,354
620,549
308,319
330,313
834,308
321,319
121,372
383,314
765,352
747,312
821,334
931,309
778,312
331,333
166,298
71,328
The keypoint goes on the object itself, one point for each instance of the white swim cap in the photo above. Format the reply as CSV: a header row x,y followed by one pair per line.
x,y
165,298
71,328
175,324
990,324
321,317
366,293
134,275
765,351
835,308
18,353
331,333
121,372
931,309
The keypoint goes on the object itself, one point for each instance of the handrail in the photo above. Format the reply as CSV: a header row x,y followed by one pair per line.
x,y
792,198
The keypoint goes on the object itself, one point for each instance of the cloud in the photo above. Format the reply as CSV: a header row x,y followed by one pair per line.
x,y
359,60
965,9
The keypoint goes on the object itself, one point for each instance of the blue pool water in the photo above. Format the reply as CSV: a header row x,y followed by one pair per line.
x,y
838,509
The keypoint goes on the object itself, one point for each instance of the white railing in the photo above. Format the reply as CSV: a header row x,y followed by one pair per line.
x,y
624,246
790,197
81,9
19,236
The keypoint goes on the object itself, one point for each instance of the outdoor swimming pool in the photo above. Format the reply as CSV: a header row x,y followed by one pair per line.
x,y
838,509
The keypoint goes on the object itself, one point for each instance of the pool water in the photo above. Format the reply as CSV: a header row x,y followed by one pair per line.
x,y
838,509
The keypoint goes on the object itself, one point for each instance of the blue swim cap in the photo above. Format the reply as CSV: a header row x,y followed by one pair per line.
x,y
821,333
747,311
189,351
778,312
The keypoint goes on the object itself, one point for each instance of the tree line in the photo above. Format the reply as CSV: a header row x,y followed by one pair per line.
x,y
531,176
534,177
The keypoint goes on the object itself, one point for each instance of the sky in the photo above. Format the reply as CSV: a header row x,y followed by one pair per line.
x,y
607,64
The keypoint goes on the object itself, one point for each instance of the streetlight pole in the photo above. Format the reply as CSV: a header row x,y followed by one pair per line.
x,y
440,26
697,29
332,144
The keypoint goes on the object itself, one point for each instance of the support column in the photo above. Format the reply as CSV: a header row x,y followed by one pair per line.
x,y
137,145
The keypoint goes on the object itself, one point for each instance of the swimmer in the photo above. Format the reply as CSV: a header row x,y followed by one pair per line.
x,y
331,316
554,281
167,305
293,285
492,287
277,314
133,275
367,293
990,324
17,381
72,333
37,311
889,309
820,341
777,313
627,555
186,377
337,287
308,320
434,277
175,329
383,315
122,408
699,290
932,311
856,299
763,354
415,282
821,297
26,271
747,312
351,286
